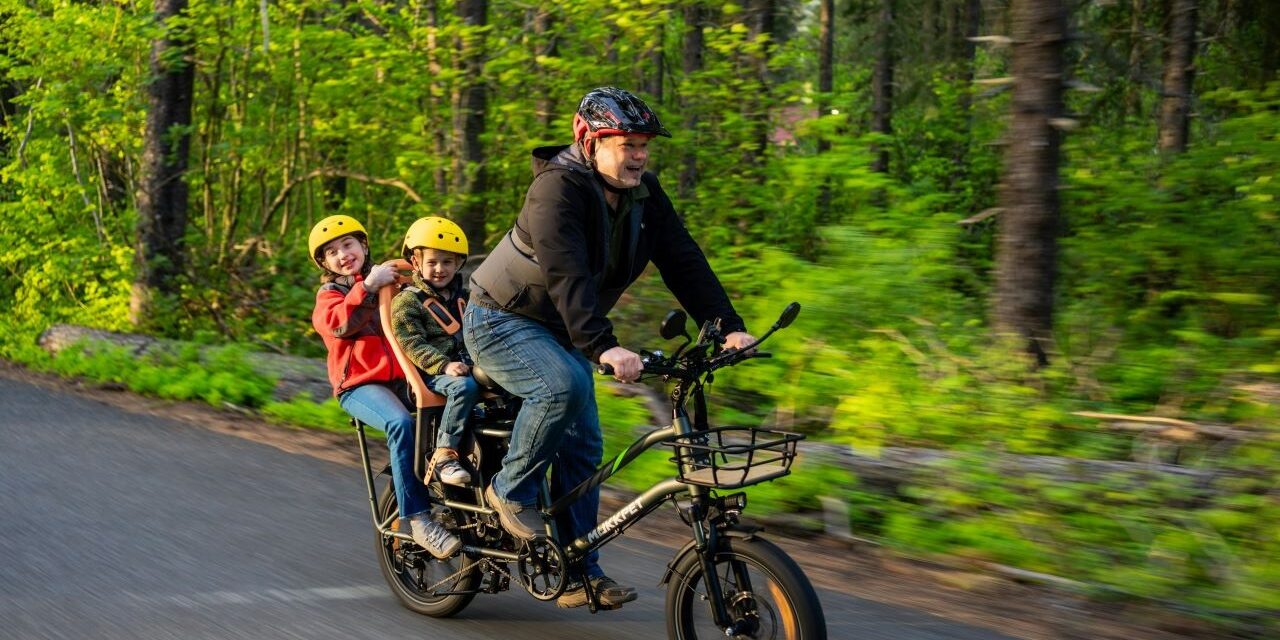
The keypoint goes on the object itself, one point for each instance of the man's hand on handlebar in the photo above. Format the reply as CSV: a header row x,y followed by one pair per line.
x,y
738,340
626,364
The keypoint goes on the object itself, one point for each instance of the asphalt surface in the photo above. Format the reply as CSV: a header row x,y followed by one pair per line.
x,y
118,525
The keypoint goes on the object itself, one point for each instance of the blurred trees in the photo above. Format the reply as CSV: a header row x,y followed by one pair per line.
x,y
1146,280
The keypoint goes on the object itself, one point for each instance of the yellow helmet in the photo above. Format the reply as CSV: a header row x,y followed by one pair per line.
x,y
332,228
434,232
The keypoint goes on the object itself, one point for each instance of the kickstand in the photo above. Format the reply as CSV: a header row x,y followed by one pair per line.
x,y
591,596
592,605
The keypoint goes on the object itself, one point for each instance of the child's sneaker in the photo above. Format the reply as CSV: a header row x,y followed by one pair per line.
x,y
429,535
444,463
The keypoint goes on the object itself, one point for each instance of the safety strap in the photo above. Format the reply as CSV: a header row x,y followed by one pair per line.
x,y
440,313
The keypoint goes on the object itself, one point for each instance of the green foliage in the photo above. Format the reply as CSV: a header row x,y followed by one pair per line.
x,y
1136,531
302,411
1166,299
624,420
220,376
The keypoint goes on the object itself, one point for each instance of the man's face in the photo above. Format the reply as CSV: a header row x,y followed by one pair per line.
x,y
621,159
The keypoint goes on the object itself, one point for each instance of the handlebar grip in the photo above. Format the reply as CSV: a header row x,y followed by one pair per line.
x,y
604,369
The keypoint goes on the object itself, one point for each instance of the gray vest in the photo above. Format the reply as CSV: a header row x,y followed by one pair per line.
x,y
511,278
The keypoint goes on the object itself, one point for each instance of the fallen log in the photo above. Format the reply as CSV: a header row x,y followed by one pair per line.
x,y
1171,428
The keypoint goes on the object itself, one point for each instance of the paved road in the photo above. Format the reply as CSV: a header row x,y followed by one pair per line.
x,y
116,525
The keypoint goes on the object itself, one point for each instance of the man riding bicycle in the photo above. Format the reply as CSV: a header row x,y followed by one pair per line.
x,y
592,220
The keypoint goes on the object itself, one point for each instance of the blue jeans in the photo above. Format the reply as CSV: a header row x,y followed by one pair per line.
x,y
381,408
557,424
462,393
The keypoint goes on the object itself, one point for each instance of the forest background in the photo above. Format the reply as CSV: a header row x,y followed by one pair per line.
x,y
998,214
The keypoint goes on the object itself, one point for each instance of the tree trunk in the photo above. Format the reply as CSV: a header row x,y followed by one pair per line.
x,y
695,15
1179,74
333,188
826,49
1269,18
929,19
882,84
1133,94
435,124
547,45
162,195
470,100
967,51
9,89
656,69
1026,250
761,21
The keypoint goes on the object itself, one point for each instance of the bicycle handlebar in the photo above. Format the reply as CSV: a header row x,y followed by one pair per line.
x,y
679,372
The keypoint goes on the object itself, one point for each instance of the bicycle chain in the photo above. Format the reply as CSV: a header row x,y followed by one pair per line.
x,y
455,574
499,569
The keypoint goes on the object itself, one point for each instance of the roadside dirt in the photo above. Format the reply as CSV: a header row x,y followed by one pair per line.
x,y
1016,609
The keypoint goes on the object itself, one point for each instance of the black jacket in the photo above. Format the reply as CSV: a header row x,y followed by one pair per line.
x,y
551,265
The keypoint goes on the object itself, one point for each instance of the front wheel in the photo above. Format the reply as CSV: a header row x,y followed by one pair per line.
x,y
436,588
766,594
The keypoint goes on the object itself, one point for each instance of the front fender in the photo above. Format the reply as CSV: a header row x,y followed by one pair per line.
x,y
745,532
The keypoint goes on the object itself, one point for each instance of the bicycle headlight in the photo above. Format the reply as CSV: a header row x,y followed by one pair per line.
x,y
734,502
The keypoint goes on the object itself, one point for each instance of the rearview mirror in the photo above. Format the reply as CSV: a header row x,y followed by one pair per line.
x,y
788,315
673,325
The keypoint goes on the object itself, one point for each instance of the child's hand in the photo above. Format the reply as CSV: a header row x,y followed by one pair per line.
x,y
379,276
456,369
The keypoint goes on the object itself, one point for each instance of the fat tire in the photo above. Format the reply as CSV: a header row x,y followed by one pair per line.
x,y
437,607
684,589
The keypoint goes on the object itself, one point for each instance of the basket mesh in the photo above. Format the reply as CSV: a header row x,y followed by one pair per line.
x,y
732,457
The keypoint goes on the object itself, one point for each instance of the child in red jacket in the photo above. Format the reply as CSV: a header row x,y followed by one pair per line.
x,y
364,373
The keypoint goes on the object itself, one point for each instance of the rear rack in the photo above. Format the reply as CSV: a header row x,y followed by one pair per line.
x,y
733,457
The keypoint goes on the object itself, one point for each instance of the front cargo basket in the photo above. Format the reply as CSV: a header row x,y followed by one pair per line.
x,y
732,457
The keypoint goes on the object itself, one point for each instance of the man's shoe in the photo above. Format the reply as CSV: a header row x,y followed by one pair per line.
x,y
444,465
609,595
433,537
520,521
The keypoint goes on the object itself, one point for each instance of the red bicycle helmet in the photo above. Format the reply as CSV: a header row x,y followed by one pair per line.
x,y
609,111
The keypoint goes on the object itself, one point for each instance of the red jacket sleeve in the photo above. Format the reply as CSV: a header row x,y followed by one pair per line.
x,y
339,316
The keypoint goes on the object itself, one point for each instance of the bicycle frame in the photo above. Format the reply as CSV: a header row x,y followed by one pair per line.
x,y
705,528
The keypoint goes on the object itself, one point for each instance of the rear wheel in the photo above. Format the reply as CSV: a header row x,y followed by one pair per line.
x,y
415,576
766,594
